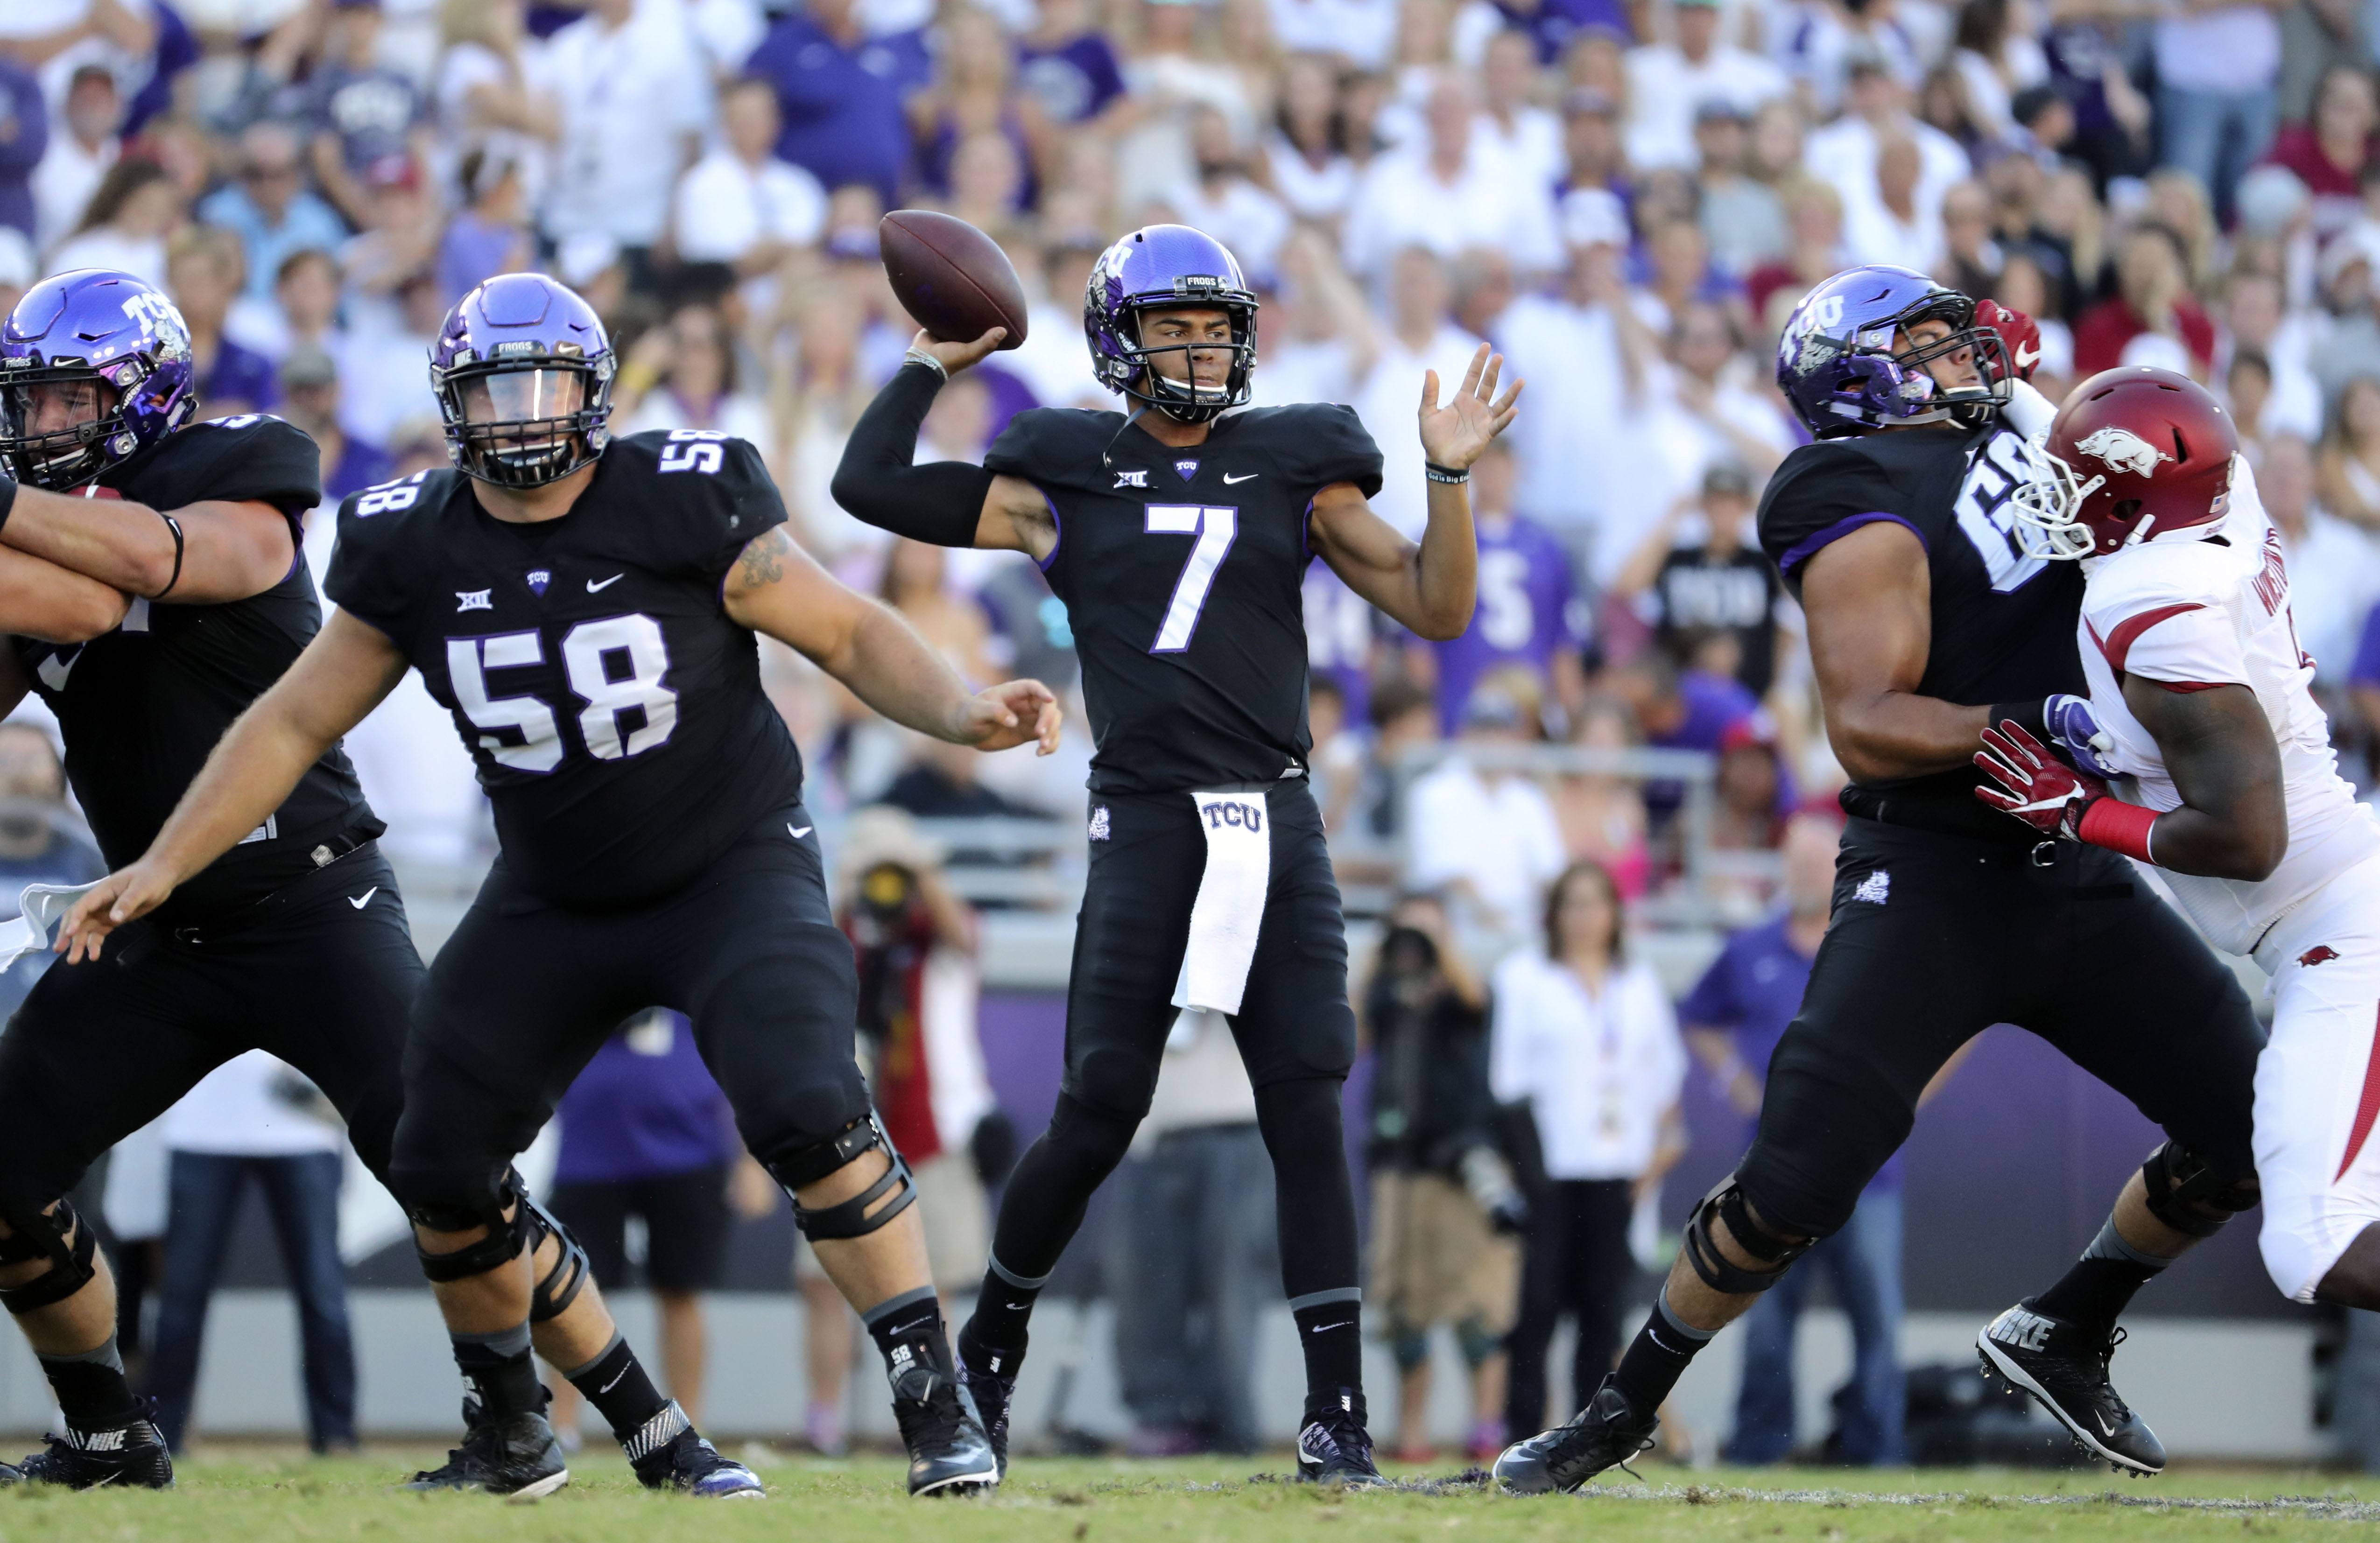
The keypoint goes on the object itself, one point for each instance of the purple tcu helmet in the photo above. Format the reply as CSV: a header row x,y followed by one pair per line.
x,y
522,373
1836,363
1157,268
94,368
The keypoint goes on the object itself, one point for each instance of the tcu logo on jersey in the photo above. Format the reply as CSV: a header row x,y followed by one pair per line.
x,y
1245,816
1131,479
2123,451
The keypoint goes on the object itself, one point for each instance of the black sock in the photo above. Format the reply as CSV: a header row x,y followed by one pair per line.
x,y
616,1385
1331,1330
499,1372
907,1329
93,1392
1003,1308
2100,1285
1655,1358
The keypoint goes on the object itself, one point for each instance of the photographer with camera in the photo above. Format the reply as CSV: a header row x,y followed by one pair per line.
x,y
1444,1204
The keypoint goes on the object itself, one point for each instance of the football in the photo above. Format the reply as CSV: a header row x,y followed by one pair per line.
x,y
951,276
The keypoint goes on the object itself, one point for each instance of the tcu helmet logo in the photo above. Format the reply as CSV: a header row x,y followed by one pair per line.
x,y
2123,451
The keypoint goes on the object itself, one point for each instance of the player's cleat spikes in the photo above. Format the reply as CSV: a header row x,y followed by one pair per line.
x,y
2064,1367
1605,1434
948,1451
130,1457
1336,1448
667,1452
987,1376
516,1457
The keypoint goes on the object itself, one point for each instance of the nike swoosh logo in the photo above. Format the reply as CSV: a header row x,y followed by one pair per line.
x,y
611,1384
360,901
2026,357
2105,1429
1325,1328
1244,477
593,587
797,835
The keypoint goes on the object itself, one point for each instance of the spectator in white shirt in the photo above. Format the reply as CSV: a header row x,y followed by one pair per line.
x,y
1514,128
1586,1037
2334,568
1420,335
1305,155
1887,225
634,95
1845,153
740,205
1360,31
124,227
1223,202
1485,837
1667,83
82,146
1451,191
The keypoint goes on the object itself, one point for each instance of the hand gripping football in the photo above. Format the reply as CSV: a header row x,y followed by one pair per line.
x,y
951,276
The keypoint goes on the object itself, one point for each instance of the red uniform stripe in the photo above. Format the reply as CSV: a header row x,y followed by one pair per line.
x,y
2367,1107
2118,642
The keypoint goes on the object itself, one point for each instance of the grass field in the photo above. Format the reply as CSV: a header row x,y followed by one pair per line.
x,y
262,1496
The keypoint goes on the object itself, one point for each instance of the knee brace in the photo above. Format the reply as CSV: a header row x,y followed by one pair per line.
x,y
43,1235
845,1218
550,1297
2189,1194
503,1243
1719,1273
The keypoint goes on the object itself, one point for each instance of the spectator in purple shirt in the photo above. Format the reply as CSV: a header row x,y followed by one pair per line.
x,y
1733,1020
205,269
24,136
1066,66
1529,613
842,94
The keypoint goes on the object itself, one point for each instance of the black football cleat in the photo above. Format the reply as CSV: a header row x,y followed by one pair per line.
x,y
1334,1448
2064,1367
949,1453
130,1457
516,1457
1605,1434
987,1378
667,1452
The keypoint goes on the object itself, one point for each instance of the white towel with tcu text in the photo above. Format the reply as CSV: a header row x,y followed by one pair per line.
x,y
43,906
1229,911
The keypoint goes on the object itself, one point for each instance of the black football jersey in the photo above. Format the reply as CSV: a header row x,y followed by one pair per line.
x,y
2003,623
142,708
613,709
1180,570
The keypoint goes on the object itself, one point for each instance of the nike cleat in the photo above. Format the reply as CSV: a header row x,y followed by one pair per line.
x,y
1605,1434
987,1377
517,1457
130,1457
668,1453
1336,1448
2064,1367
949,1453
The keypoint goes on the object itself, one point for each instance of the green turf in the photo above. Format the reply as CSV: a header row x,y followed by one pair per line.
x,y
247,1496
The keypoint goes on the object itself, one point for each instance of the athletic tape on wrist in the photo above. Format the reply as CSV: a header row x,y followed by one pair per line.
x,y
2118,826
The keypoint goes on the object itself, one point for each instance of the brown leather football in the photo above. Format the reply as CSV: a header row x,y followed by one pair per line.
x,y
951,276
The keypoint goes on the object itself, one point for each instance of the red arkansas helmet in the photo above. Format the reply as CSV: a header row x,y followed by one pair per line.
x,y
2133,452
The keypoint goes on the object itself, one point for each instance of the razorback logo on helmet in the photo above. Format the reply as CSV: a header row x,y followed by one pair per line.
x,y
2123,451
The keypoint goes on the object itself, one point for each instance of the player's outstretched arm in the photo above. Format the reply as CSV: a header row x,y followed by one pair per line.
x,y
206,554
777,589
1866,599
1428,586
57,604
943,503
2234,821
342,676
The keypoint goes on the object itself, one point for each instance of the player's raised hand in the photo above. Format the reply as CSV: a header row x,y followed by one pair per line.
x,y
123,895
1012,712
1457,434
957,356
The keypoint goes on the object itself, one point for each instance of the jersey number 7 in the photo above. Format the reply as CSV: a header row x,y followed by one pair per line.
x,y
1214,527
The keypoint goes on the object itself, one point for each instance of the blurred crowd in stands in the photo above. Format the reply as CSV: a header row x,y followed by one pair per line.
x,y
1626,197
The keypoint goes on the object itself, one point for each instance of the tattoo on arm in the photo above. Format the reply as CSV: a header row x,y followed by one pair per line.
x,y
763,563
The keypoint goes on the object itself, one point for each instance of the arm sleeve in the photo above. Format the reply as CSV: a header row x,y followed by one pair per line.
x,y
1820,495
940,503
2185,644
1338,449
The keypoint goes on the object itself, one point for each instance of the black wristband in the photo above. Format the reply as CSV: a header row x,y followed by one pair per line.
x,y
176,527
2028,715
7,500
1437,473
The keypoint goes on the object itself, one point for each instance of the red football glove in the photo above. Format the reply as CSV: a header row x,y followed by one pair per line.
x,y
2017,333
2035,786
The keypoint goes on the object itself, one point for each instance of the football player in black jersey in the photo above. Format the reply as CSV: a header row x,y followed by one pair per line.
x,y
1177,537
1933,609
585,608
149,571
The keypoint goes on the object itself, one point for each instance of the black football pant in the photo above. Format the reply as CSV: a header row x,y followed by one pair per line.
x,y
322,973
1295,1031
1935,938
525,992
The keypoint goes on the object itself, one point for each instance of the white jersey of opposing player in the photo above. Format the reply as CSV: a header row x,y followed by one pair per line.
x,y
2211,611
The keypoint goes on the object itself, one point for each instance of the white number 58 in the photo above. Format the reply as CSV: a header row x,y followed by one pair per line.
x,y
692,449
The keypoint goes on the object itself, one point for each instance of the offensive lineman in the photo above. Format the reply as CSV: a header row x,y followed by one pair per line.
x,y
1177,537
586,609
1930,616
2233,788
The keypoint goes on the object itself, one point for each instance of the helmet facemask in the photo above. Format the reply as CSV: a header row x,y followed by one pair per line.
x,y
1969,406
1184,399
527,422
2047,508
